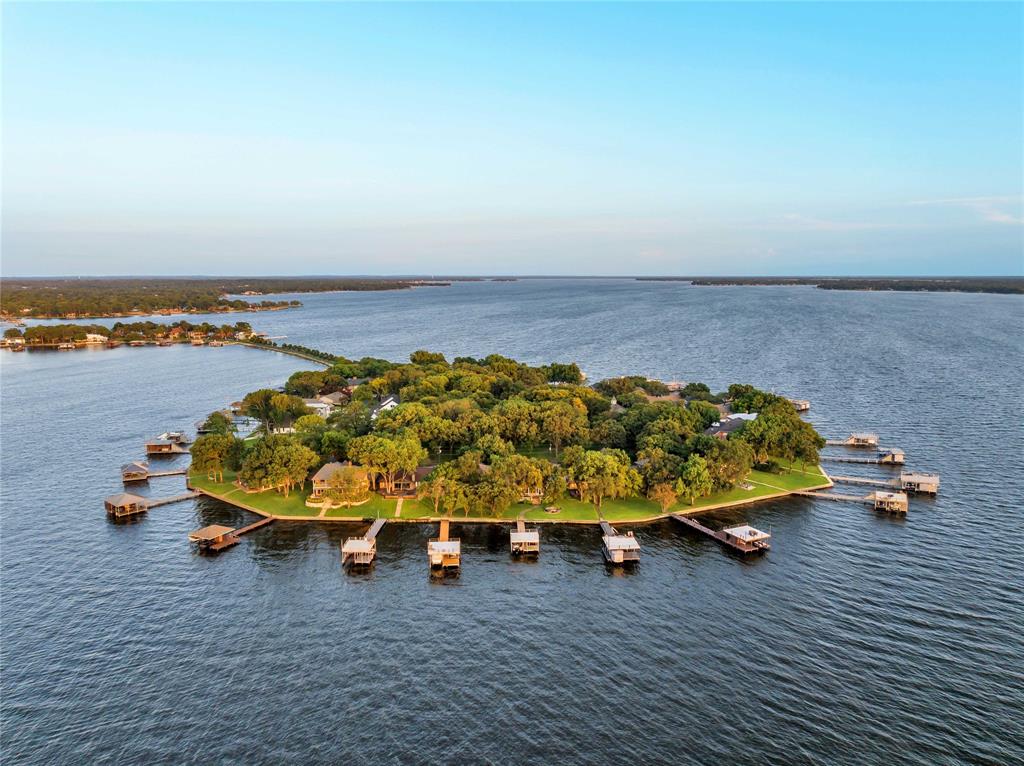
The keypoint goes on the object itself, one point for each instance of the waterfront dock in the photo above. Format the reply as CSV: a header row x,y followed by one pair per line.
x,y
742,538
361,551
862,439
442,552
216,537
893,456
126,504
139,471
523,541
619,548
922,483
889,502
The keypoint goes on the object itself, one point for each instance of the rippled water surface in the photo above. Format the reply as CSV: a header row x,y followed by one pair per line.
x,y
857,639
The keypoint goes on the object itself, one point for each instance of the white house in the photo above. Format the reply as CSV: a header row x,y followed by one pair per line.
x,y
388,404
95,337
321,408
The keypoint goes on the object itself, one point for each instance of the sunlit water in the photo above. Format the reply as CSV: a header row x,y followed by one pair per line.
x,y
857,639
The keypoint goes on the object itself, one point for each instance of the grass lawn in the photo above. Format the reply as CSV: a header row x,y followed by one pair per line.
x,y
622,509
376,508
269,502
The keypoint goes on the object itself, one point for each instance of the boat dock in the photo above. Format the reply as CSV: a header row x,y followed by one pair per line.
x,y
361,551
892,456
923,483
742,538
862,439
523,541
618,548
139,471
890,502
126,504
442,552
216,537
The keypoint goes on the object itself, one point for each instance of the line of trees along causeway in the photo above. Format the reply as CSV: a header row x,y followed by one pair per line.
x,y
474,438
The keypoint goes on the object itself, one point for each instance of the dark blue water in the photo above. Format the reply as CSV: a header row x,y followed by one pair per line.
x,y
857,639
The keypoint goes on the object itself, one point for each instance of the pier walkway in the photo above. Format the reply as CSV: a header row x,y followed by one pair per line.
x,y
174,499
744,538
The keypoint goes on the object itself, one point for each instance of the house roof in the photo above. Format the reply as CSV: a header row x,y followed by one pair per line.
x,y
327,471
725,426
335,397
125,498
211,532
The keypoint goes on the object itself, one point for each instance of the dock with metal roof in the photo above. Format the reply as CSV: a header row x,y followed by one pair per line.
x,y
619,548
523,541
743,538
361,551
442,552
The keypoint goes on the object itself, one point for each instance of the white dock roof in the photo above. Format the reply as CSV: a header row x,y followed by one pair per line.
x,y
621,543
443,546
529,536
747,533
357,545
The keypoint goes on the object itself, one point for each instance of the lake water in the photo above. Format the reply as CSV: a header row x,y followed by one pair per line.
x,y
858,639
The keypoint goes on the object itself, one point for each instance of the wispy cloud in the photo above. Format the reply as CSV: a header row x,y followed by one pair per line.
x,y
809,223
1005,210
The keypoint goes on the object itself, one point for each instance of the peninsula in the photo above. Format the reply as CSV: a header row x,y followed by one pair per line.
x,y
492,439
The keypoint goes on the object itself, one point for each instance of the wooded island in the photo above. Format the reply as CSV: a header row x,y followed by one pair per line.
x,y
495,438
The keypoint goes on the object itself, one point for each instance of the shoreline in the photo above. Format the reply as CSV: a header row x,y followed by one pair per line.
x,y
431,519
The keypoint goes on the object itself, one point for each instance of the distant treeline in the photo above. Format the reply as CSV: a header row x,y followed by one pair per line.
x,y
124,331
927,284
73,298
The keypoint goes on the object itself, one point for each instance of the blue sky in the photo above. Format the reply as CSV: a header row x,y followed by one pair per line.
x,y
749,138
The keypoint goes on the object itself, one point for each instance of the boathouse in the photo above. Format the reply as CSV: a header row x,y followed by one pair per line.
x,y
926,483
801,405
523,541
125,504
358,551
747,539
893,456
619,548
442,552
163,447
863,439
137,471
214,537
890,502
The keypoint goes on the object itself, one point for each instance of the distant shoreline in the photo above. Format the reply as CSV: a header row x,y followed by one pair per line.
x,y
997,285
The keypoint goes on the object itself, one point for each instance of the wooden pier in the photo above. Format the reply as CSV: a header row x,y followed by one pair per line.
x,y
743,538
361,551
922,483
523,541
126,504
139,471
890,502
862,439
892,456
618,548
216,537
443,553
